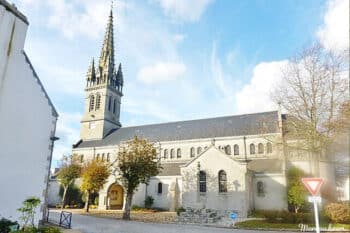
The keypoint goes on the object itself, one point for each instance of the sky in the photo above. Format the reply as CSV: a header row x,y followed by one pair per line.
x,y
181,59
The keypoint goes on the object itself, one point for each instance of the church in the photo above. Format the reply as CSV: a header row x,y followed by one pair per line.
x,y
230,163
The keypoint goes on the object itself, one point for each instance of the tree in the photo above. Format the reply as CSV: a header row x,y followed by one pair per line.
x,y
137,163
67,175
296,190
312,90
28,210
94,175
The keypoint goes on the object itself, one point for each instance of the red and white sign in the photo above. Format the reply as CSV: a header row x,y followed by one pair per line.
x,y
312,184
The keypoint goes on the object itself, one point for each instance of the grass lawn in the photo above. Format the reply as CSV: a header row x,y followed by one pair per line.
x,y
254,224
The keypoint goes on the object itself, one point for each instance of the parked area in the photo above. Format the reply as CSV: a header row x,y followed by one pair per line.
x,y
141,216
93,224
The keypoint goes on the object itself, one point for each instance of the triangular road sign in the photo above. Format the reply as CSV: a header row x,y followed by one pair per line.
x,y
312,184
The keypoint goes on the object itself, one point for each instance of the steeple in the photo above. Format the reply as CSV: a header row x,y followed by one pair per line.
x,y
107,52
105,72
103,92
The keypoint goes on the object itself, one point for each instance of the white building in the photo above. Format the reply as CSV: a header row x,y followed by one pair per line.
x,y
231,163
27,120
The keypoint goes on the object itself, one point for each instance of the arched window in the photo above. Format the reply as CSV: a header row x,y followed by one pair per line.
x,y
192,152
160,188
199,150
228,149
269,147
98,101
261,148
236,149
222,182
165,154
92,103
108,157
260,188
172,153
114,105
202,182
178,153
252,149
98,157
109,103
81,158
103,157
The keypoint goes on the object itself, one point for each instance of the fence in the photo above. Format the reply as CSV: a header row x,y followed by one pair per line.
x,y
63,219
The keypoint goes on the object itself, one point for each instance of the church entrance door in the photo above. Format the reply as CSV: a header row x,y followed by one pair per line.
x,y
115,197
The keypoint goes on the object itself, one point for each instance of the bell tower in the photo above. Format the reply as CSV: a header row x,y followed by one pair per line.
x,y
103,92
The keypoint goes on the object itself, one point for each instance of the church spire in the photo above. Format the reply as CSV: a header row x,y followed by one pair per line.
x,y
107,52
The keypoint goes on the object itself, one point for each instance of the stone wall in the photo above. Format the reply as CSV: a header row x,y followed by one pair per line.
x,y
205,217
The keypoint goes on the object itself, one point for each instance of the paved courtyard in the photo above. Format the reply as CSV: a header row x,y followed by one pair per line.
x,y
90,224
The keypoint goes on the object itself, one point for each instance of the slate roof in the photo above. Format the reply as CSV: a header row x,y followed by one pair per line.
x,y
237,125
12,8
171,169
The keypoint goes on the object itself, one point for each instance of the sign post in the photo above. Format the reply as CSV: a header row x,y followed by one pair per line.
x,y
314,185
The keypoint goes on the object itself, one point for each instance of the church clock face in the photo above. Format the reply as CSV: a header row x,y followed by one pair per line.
x,y
92,125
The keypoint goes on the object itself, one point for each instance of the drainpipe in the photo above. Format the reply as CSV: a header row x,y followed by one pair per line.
x,y
245,148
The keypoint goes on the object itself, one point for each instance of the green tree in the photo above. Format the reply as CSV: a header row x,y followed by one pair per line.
x,y
137,162
68,173
94,175
296,191
28,210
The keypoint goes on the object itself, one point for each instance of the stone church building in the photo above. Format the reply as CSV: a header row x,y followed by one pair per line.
x,y
230,163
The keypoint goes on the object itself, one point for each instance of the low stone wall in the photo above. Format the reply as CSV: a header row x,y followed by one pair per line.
x,y
205,217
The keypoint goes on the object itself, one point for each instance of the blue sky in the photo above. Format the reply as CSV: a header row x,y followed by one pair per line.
x,y
182,59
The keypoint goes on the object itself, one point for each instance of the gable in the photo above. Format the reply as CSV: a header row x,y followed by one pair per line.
x,y
214,159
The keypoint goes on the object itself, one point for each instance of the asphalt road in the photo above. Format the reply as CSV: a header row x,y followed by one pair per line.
x,y
90,224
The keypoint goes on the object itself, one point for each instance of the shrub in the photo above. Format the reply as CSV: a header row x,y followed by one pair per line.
x,y
149,202
73,195
180,210
5,225
39,230
338,212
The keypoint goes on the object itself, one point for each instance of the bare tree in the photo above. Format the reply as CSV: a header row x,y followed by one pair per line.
x,y
313,88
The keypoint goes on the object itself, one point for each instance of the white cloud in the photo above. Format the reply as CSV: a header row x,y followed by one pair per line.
x,y
334,33
221,79
184,10
179,37
255,96
161,71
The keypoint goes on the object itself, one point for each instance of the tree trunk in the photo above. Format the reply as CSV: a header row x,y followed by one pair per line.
x,y
296,209
64,197
126,213
87,205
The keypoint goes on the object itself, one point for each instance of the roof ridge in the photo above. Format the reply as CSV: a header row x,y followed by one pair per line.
x,y
209,118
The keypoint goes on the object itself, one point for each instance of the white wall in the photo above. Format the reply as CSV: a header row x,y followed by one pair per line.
x,y
212,161
26,124
165,199
53,197
275,192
